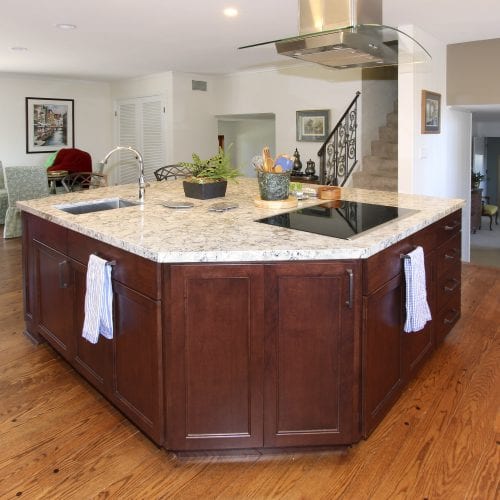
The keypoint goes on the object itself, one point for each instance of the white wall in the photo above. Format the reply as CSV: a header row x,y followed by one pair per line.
x,y
194,123
247,136
433,164
92,113
285,91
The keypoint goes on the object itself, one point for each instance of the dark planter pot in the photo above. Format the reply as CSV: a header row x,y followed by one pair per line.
x,y
205,191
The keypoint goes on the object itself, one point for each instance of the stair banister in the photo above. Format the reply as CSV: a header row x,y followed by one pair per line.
x,y
338,152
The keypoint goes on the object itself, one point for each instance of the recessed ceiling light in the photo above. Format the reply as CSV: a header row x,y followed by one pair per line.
x,y
64,26
19,49
230,12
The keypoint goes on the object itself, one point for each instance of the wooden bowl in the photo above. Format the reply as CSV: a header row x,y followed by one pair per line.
x,y
329,193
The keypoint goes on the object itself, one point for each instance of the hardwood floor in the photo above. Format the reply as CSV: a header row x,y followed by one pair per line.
x,y
60,439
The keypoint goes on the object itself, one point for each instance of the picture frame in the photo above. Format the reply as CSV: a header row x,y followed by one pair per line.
x,y
431,112
50,124
313,125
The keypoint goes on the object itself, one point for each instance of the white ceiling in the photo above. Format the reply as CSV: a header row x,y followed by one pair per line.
x,y
126,38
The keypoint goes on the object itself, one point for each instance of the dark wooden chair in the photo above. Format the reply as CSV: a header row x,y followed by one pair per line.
x,y
77,181
171,172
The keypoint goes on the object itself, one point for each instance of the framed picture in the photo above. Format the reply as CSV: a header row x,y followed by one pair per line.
x,y
431,112
49,124
312,125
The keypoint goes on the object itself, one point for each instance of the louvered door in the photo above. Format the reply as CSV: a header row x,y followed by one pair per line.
x,y
140,124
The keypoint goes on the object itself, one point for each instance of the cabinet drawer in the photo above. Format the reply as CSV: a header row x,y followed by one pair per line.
x,y
448,255
136,272
426,238
48,233
448,286
383,266
447,317
449,226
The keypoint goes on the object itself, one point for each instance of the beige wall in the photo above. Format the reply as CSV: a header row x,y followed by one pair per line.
x,y
473,73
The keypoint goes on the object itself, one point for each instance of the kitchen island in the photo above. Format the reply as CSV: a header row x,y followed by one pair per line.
x,y
233,334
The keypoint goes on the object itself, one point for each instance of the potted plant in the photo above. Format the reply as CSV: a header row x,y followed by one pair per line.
x,y
476,178
209,178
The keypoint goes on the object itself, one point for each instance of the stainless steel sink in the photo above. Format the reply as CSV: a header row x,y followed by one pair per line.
x,y
95,206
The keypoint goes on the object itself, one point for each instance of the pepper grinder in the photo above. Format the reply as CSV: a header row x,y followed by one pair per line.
x,y
297,164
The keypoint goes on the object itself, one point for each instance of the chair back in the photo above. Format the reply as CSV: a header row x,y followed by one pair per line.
x,y
25,183
22,183
171,172
83,180
2,183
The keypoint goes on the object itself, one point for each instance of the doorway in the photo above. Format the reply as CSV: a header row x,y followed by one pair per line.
x,y
244,136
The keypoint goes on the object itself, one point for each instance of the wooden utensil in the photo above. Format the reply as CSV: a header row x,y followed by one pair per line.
x,y
268,161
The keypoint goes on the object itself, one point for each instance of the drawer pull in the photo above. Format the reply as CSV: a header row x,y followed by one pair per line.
x,y
453,286
453,318
349,302
63,273
451,255
453,226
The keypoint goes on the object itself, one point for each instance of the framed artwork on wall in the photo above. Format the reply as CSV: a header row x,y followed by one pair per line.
x,y
312,125
50,124
431,112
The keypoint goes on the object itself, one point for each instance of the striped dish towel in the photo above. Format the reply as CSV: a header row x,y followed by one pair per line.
x,y
417,308
98,301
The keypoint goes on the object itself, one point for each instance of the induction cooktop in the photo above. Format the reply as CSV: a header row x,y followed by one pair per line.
x,y
338,219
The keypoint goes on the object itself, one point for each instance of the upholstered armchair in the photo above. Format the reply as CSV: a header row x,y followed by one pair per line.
x,y
22,183
72,160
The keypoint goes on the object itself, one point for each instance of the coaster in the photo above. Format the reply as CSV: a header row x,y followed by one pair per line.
x,y
222,206
178,204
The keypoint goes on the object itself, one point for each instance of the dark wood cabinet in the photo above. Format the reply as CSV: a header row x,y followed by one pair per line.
x,y
55,298
128,369
214,364
259,355
312,352
390,356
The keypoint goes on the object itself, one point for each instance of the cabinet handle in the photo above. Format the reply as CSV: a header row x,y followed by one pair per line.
x,y
63,282
453,286
452,227
452,254
453,318
351,288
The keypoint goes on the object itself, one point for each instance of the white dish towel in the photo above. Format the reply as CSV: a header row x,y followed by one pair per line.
x,y
98,301
417,308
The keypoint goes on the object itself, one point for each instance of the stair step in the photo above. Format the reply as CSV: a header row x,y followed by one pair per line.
x,y
385,149
392,119
376,164
389,134
375,182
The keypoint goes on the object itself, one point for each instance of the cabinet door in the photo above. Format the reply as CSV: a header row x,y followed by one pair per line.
x,y
382,378
214,357
418,345
54,297
93,361
137,379
312,353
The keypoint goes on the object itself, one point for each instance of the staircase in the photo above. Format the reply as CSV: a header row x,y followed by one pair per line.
x,y
380,169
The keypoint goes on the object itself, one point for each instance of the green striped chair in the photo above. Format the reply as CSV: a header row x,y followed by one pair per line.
x,y
490,211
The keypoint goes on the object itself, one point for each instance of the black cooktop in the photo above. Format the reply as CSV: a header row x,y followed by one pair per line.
x,y
339,218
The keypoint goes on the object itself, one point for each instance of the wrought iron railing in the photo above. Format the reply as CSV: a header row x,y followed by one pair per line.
x,y
338,153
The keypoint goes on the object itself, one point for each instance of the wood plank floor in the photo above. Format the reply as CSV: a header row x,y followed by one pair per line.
x,y
60,439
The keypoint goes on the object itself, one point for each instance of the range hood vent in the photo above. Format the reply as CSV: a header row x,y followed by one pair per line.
x,y
346,34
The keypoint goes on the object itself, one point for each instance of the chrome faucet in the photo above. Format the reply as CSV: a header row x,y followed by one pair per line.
x,y
138,157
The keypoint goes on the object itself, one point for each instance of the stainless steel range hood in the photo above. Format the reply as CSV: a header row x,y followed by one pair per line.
x,y
348,33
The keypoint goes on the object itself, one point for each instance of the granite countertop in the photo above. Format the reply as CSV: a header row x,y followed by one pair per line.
x,y
164,234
